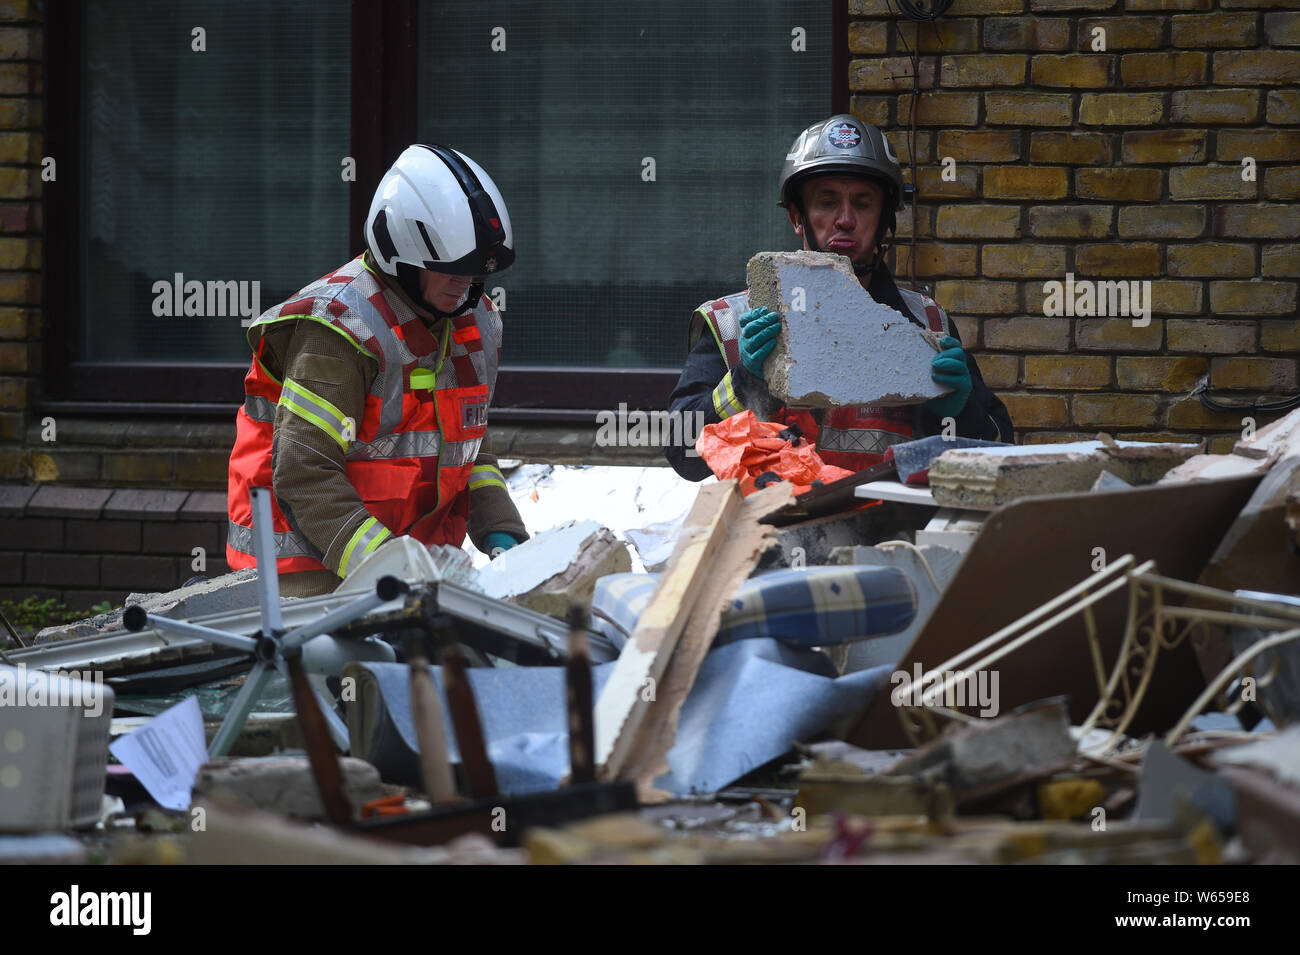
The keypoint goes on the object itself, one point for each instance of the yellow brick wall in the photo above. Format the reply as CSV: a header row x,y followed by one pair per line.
x,y
1108,164
21,41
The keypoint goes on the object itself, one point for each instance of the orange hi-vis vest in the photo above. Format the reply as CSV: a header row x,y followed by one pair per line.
x,y
853,437
411,455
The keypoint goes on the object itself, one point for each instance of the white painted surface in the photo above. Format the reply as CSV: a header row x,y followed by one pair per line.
x,y
894,491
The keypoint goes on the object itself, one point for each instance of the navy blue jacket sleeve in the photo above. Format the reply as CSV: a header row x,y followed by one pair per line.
x,y
694,393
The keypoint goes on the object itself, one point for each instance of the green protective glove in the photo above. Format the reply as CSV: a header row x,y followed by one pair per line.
x,y
758,330
498,542
949,368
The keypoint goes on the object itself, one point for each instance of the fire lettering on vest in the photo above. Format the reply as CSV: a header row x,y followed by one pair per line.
x,y
474,415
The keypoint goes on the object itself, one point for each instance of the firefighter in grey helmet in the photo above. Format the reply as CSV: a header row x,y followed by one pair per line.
x,y
841,186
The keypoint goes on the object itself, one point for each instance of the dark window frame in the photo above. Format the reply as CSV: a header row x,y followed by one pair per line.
x,y
383,122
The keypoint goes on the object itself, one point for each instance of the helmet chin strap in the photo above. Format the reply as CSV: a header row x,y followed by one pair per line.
x,y
862,269
408,277
472,295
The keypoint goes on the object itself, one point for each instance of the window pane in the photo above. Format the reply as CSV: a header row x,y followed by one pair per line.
x,y
221,165
611,264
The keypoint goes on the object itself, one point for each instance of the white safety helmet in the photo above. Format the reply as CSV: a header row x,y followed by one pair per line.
x,y
437,209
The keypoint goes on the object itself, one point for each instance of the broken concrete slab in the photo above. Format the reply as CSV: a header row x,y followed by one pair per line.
x,y
972,758
1209,467
838,345
284,784
233,591
1253,455
557,568
1278,440
988,478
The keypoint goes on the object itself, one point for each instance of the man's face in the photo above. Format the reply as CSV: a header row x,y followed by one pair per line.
x,y
843,212
442,291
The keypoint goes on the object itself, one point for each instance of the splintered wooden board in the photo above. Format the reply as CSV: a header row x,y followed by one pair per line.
x,y
746,540
630,690
1031,550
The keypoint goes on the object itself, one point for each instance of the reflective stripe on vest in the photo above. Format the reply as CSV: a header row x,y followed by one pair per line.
x,y
485,475
415,444
287,543
725,402
314,409
367,537
856,440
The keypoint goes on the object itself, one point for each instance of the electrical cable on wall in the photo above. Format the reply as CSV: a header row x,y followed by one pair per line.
x,y
920,10
1202,391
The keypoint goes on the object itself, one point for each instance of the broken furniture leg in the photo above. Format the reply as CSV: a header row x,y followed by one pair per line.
x,y
578,694
430,729
320,749
470,739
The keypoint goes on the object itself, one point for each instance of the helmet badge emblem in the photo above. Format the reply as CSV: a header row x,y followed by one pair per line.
x,y
844,135
490,265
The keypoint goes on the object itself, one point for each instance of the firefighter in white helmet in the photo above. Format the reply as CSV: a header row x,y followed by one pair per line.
x,y
841,186
365,407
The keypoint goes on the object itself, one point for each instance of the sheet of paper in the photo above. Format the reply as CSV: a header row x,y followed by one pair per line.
x,y
165,754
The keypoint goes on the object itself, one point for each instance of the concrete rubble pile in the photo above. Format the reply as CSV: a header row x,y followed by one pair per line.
x,y
934,677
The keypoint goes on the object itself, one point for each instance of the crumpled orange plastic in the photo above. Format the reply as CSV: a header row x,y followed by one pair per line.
x,y
742,447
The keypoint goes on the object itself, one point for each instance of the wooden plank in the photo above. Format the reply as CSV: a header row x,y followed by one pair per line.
x,y
632,685
746,541
430,730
